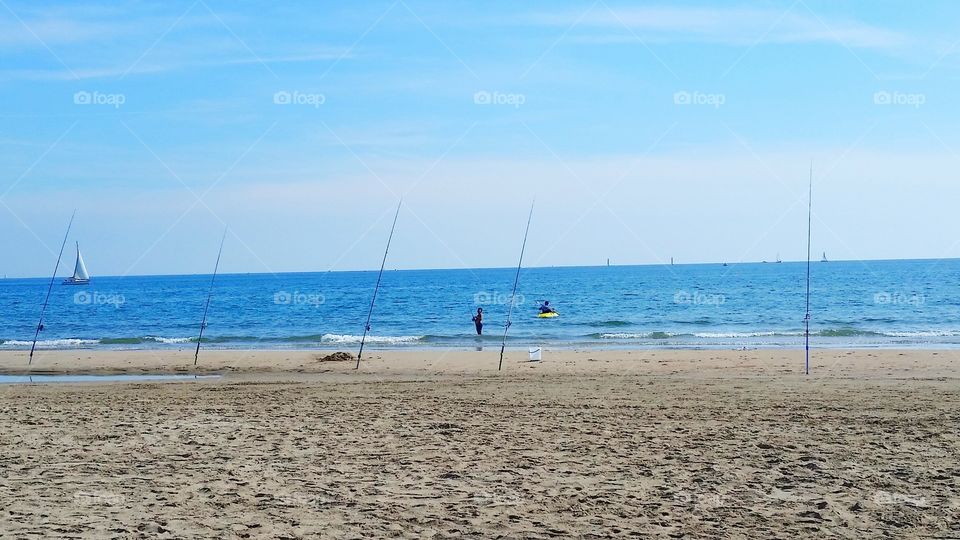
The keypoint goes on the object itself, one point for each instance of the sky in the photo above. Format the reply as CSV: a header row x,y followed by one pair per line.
x,y
643,130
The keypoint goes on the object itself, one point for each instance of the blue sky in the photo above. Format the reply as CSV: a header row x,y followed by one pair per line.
x,y
644,130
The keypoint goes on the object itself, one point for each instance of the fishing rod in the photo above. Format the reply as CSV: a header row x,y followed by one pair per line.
x,y
50,289
516,280
806,318
203,324
366,326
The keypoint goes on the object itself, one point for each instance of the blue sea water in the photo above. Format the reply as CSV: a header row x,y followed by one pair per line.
x,y
911,303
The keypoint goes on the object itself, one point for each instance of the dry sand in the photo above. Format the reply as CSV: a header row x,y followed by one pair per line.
x,y
429,443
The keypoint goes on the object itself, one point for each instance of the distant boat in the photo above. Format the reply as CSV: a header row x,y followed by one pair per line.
x,y
824,259
671,261
778,259
80,275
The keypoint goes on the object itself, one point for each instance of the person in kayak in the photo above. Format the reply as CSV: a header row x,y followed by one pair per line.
x,y
478,320
545,307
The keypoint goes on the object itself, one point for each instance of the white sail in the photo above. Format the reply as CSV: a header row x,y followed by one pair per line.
x,y
80,270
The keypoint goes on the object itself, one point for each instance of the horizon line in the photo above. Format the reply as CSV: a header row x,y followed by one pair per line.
x,y
374,270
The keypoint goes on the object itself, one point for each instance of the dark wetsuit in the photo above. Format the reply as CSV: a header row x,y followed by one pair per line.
x,y
478,321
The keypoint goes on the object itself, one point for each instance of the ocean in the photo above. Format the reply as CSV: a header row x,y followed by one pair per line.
x,y
906,303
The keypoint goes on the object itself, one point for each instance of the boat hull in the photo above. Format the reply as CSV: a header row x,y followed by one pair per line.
x,y
72,281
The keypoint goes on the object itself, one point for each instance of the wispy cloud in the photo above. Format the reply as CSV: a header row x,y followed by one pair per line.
x,y
29,28
103,42
164,65
734,26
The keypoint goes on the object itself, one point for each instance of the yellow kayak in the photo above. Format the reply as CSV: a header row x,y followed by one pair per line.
x,y
550,315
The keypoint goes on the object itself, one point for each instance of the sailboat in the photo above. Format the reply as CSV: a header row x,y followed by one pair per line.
x,y
824,259
80,275
778,259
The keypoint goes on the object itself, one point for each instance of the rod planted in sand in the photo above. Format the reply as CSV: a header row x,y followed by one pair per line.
x,y
206,308
806,317
50,288
366,326
516,280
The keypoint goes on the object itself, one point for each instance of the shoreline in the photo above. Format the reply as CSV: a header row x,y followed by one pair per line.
x,y
867,363
644,340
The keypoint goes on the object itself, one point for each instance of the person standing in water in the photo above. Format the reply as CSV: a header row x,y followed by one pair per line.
x,y
478,320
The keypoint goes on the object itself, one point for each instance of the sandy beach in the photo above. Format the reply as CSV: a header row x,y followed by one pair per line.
x,y
590,444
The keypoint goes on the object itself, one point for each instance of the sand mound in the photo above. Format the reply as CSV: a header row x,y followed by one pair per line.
x,y
338,356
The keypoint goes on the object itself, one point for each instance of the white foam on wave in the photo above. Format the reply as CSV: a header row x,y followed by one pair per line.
x,y
346,338
747,335
701,335
924,334
51,343
742,335
169,340
627,335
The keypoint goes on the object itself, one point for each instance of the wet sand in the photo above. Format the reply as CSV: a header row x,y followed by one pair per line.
x,y
587,444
